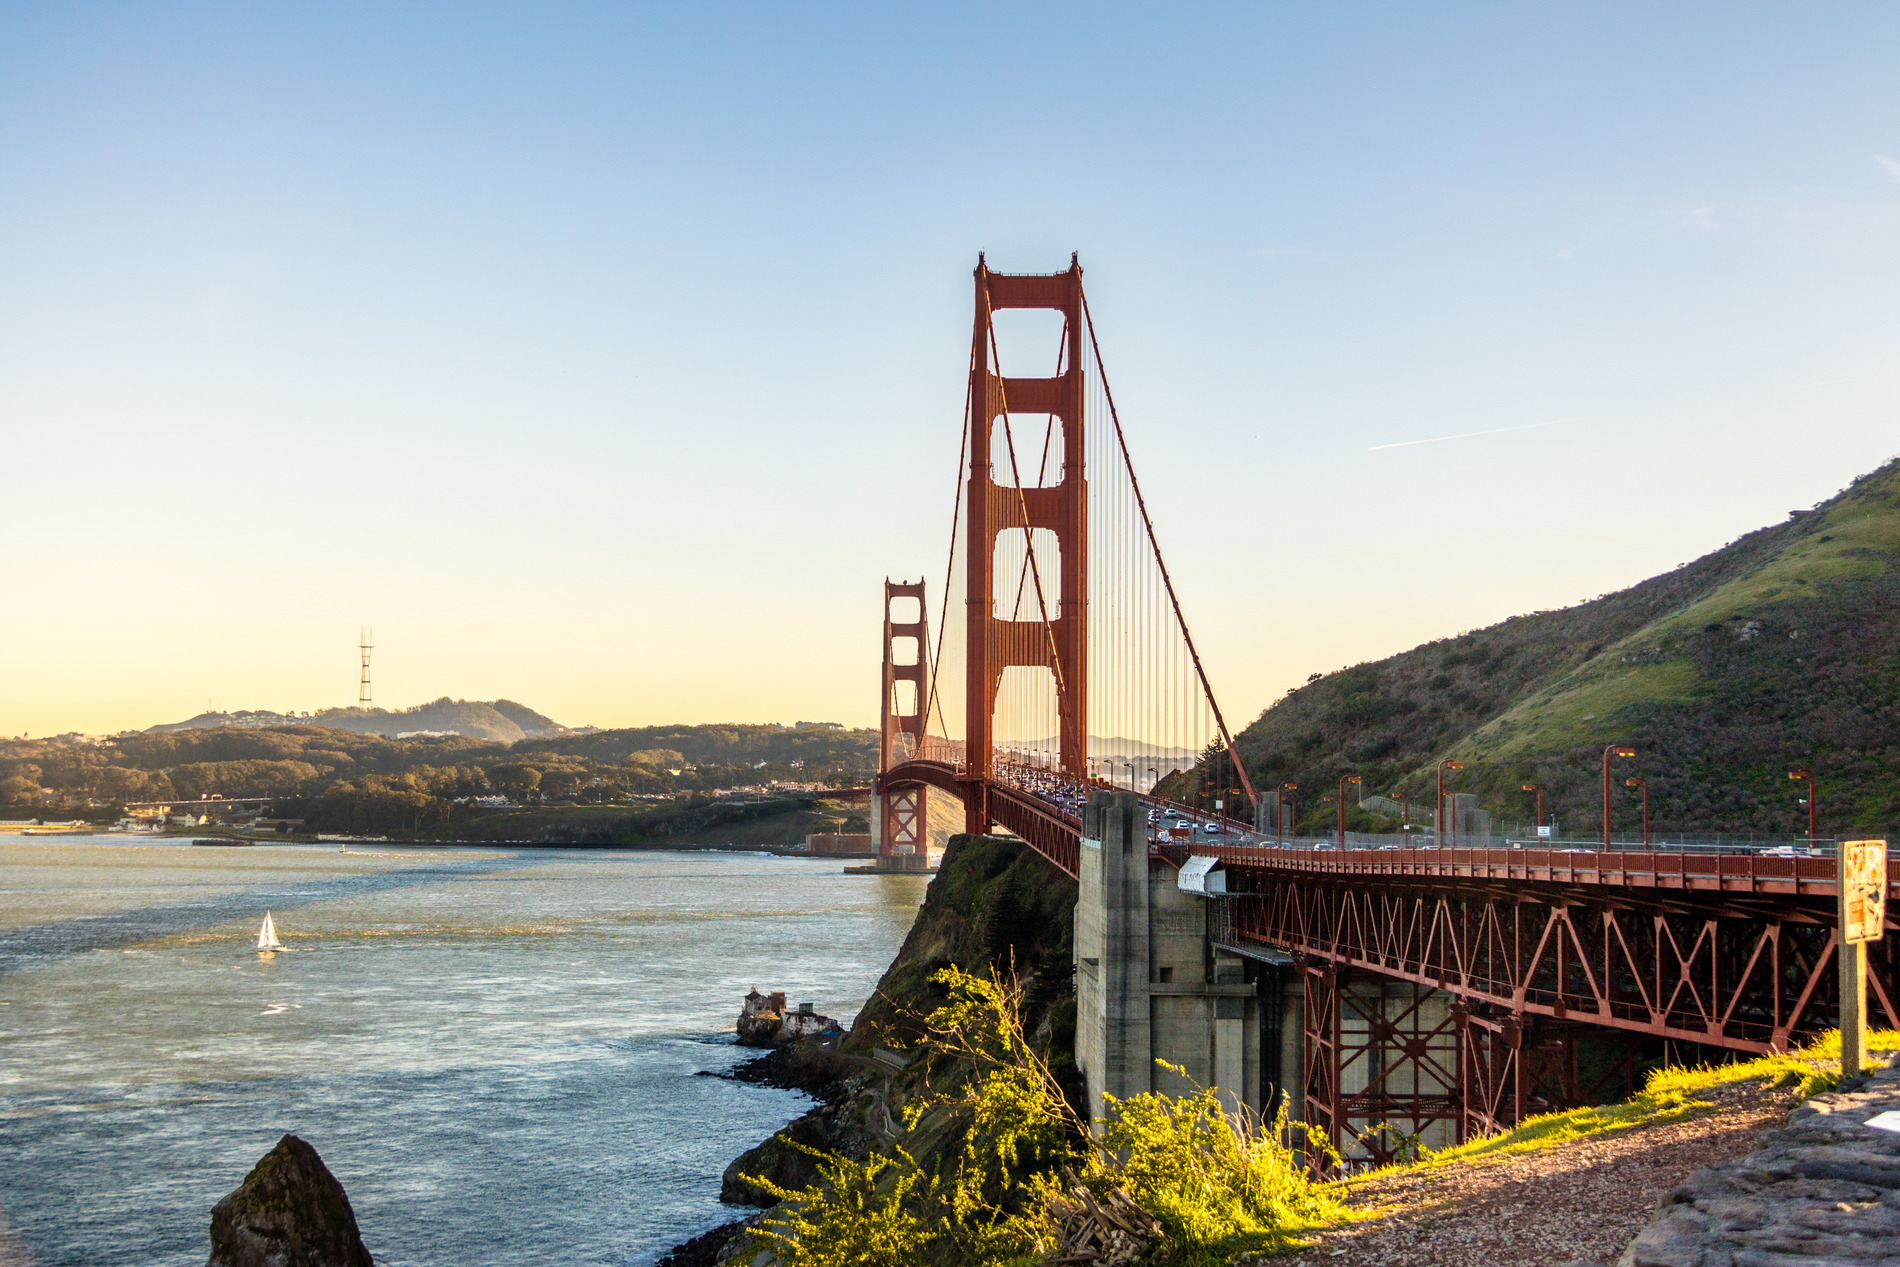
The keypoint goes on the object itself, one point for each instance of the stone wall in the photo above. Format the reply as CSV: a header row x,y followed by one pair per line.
x,y
1823,1190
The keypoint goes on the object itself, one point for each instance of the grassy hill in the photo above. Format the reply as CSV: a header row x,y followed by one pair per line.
x,y
1780,650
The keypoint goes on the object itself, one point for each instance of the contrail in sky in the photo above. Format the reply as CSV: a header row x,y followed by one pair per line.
x,y
1498,431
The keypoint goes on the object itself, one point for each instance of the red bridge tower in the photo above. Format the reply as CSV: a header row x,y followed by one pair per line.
x,y
1057,637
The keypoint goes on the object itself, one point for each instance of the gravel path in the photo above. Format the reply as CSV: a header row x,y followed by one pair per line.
x,y
1582,1201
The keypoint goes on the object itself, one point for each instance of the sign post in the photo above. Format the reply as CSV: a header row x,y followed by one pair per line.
x,y
1862,884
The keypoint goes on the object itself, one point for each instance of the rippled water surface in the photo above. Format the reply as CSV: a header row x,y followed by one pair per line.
x,y
493,1050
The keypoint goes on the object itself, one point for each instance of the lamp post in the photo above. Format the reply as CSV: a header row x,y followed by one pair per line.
x,y
1286,807
1438,815
1344,780
1799,776
1539,789
1610,753
1405,811
1644,784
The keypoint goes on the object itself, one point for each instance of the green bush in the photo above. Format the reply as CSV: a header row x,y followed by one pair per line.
x,y
1217,1182
1220,1181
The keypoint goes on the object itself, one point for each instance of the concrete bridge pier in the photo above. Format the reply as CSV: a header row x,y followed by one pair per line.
x,y
1150,983
1372,1063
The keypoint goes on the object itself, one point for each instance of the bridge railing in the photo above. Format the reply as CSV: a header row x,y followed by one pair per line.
x,y
935,748
1792,847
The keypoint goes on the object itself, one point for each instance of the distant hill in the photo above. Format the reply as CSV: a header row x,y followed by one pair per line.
x,y
1117,747
533,725
502,721
734,743
1780,650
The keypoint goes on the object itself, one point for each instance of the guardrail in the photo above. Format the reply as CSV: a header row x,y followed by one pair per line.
x,y
1725,872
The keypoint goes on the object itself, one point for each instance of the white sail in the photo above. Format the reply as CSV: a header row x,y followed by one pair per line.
x,y
267,935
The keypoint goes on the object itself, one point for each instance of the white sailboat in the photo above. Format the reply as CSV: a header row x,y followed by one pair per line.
x,y
267,935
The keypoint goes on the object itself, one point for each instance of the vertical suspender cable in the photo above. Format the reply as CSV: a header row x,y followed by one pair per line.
x,y
1147,523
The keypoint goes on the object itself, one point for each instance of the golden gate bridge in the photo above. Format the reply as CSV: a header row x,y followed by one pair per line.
x,y
1441,987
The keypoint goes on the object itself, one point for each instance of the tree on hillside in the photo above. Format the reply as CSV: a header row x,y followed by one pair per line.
x,y
116,784
558,784
517,782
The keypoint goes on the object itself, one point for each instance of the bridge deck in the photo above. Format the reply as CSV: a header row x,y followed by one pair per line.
x,y
1042,814
1712,872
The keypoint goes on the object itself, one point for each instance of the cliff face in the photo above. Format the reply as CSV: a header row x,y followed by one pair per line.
x,y
993,902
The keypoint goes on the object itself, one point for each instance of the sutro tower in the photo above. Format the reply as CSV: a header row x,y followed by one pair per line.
x,y
365,645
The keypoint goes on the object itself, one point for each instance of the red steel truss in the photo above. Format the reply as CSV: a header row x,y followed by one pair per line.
x,y
1524,955
1050,832
1380,1066
1743,975
1511,1068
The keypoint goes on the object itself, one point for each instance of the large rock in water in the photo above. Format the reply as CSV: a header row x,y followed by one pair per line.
x,y
289,1212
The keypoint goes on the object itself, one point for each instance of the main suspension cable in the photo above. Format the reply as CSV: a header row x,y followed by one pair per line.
x,y
949,569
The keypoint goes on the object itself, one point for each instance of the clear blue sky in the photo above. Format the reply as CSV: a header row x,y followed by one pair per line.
x,y
592,353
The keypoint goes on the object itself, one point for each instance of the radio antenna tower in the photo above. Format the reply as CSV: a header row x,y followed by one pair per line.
x,y
365,645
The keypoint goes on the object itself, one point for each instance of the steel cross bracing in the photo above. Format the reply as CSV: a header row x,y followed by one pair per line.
x,y
1745,960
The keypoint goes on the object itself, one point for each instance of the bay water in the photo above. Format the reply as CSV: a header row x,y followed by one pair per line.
x,y
497,1051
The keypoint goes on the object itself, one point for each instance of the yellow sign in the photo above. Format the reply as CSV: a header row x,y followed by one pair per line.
x,y
1863,884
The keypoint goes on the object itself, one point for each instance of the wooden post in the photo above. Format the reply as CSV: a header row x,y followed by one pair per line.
x,y
1862,891
1853,1007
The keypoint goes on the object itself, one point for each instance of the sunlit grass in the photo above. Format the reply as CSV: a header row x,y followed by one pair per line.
x,y
1585,708
1669,1095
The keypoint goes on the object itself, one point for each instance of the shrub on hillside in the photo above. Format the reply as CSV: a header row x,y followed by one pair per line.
x,y
1213,1180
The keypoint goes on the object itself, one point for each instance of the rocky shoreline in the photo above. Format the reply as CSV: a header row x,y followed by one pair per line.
x,y
813,1066
990,903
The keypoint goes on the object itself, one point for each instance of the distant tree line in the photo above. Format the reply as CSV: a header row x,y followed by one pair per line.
x,y
340,781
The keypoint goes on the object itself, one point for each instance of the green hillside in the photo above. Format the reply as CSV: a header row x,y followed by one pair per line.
x,y
1778,651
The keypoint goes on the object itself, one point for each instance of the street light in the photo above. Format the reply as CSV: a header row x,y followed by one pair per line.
x,y
1438,815
1538,788
1644,784
1798,776
1405,811
1344,780
1613,751
1286,807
